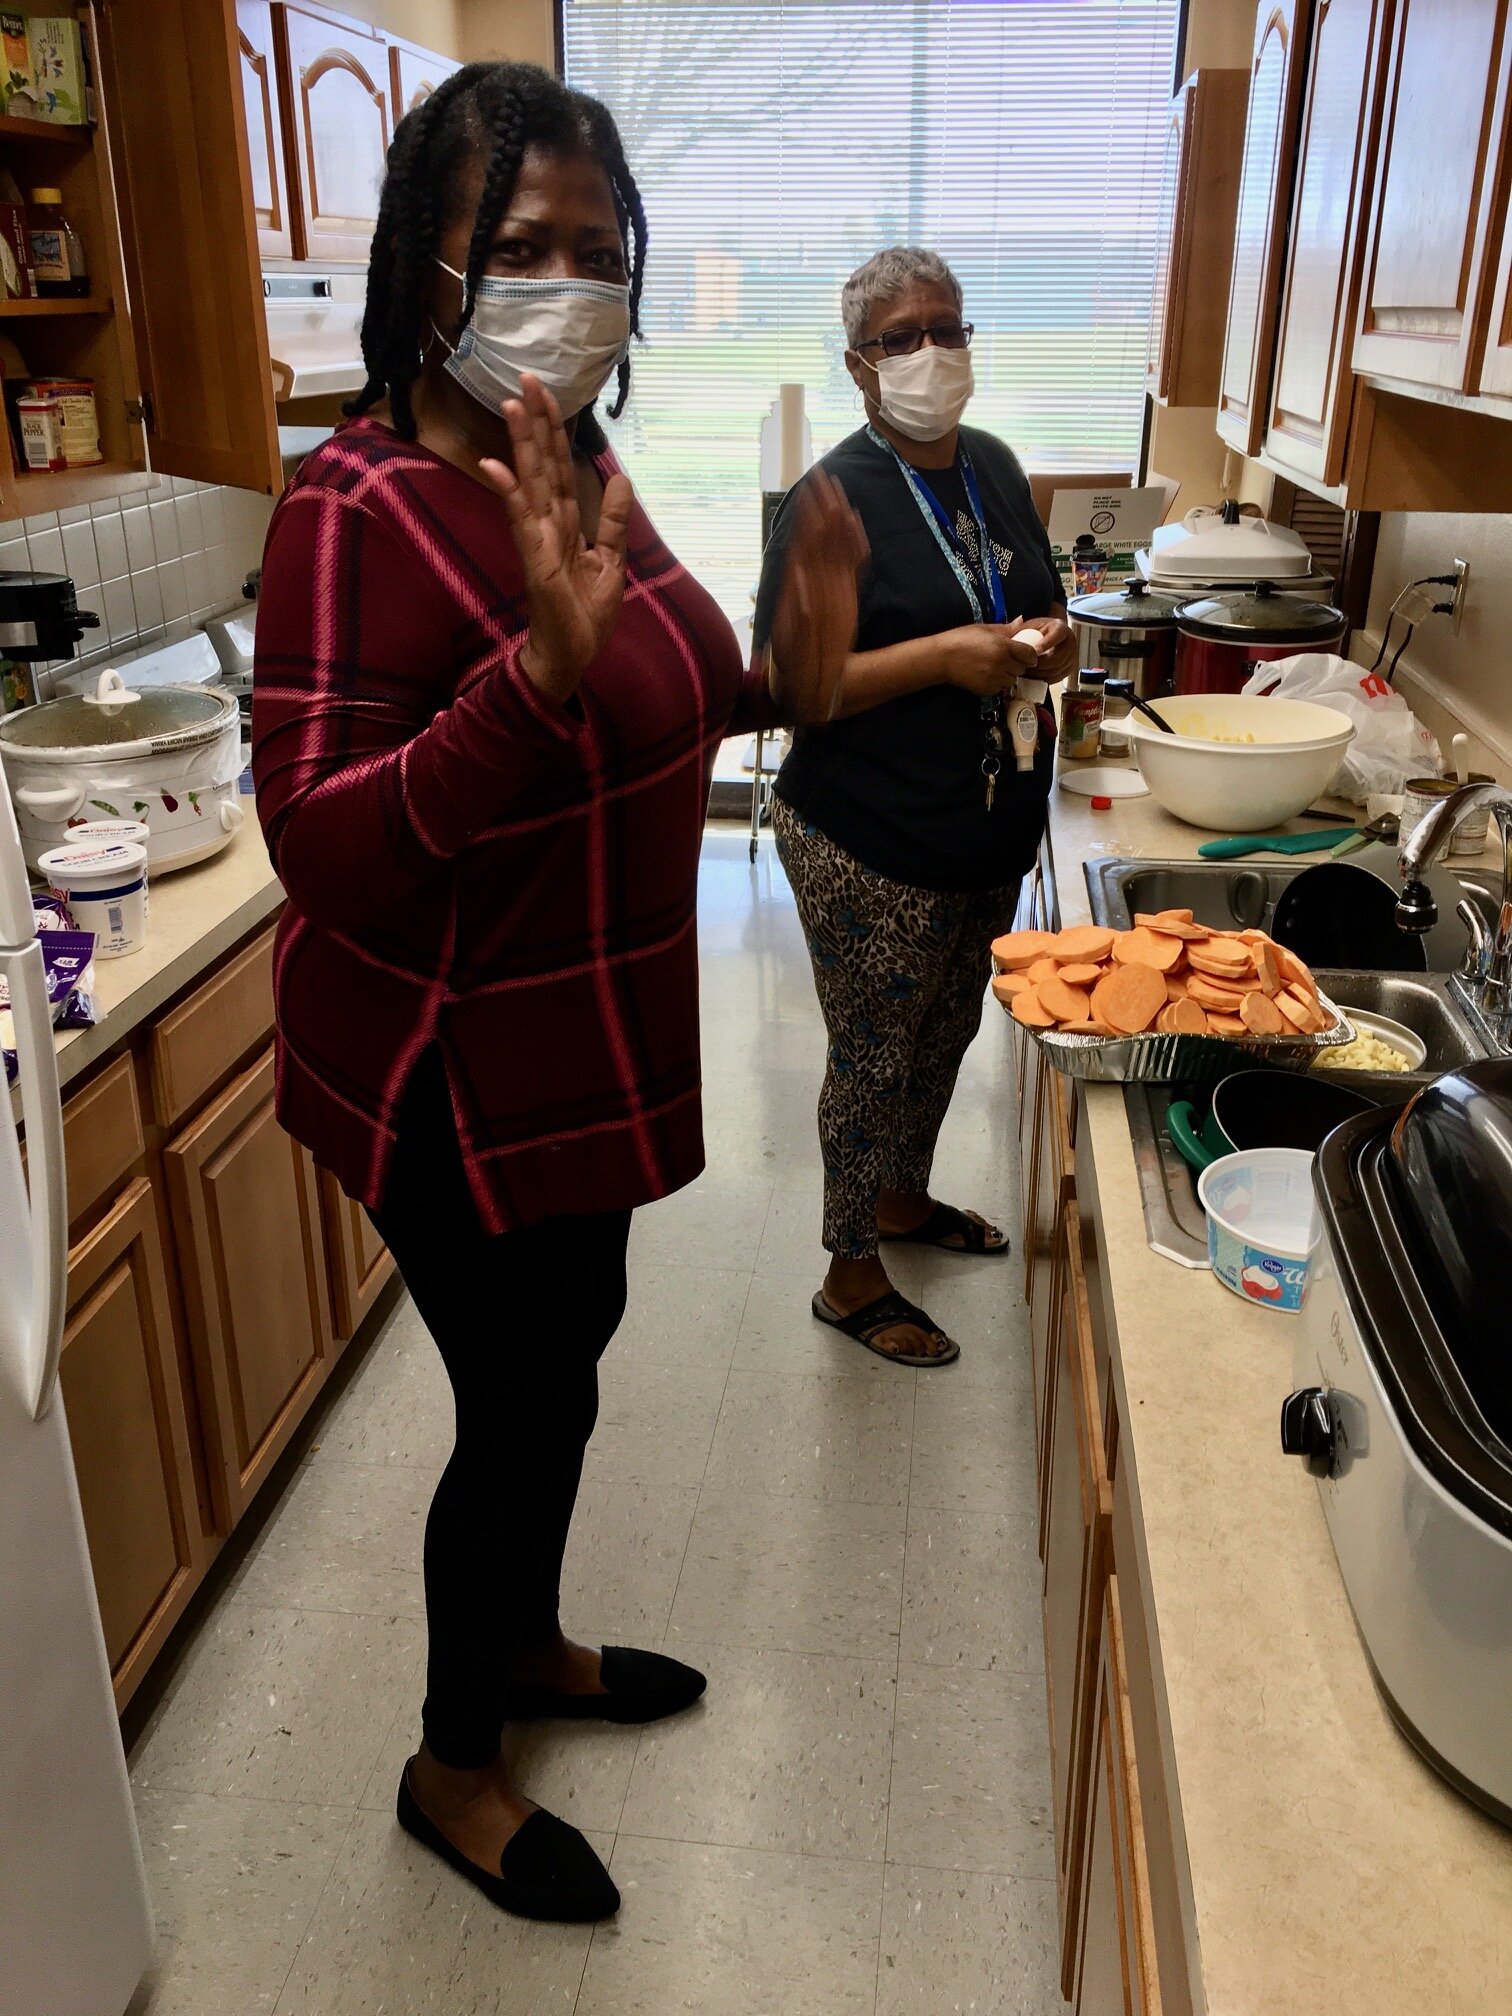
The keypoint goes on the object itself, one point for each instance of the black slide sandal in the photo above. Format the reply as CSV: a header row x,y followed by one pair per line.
x,y
887,1312
943,1224
548,1870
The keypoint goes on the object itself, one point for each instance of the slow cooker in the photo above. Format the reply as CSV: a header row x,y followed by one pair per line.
x,y
1403,1411
1222,637
1131,633
169,756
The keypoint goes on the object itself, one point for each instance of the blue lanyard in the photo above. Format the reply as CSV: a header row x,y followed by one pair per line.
x,y
939,522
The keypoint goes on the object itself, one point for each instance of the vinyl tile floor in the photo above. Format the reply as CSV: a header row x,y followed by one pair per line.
x,y
855,1822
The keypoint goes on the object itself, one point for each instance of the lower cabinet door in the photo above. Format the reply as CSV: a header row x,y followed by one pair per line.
x,y
1115,1948
247,1223
128,1423
1076,1523
361,1265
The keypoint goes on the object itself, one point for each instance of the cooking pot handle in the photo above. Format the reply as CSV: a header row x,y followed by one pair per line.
x,y
1181,1125
54,804
232,817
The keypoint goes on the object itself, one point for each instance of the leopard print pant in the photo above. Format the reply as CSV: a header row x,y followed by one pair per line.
x,y
900,974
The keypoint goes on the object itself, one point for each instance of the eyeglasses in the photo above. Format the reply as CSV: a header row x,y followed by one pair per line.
x,y
904,342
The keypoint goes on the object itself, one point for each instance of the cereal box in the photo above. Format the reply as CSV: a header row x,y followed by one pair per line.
x,y
58,59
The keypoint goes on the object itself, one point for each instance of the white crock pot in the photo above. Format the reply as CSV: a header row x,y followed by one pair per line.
x,y
169,756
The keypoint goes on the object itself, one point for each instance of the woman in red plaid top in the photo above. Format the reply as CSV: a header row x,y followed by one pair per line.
x,y
487,706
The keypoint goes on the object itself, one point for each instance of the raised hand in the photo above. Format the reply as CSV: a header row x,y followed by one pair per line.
x,y
573,590
814,624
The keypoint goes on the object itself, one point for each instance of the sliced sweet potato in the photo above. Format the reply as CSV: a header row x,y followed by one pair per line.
x,y
1261,1016
1017,949
1142,947
1064,1002
1163,1023
1210,994
1006,985
1088,1028
1225,965
1025,1007
1297,1013
1227,1025
1082,942
1293,971
1188,1018
1130,998
1314,1017
1172,924
1043,968
1081,973
1176,986
1267,971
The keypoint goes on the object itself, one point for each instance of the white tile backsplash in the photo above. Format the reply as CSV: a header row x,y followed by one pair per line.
x,y
152,564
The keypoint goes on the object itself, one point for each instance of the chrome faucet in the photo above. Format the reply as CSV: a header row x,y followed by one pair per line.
x,y
1484,982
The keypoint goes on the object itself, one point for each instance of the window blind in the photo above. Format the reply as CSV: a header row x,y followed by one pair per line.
x,y
778,146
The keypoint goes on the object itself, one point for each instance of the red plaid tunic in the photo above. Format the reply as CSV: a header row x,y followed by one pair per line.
x,y
467,863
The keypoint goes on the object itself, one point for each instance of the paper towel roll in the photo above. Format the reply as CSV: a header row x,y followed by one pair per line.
x,y
790,406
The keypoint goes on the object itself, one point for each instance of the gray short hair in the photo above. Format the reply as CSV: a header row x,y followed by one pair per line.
x,y
883,277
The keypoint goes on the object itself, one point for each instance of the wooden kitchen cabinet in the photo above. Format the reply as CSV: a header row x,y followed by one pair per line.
x,y
1199,190
335,76
1115,1972
247,1228
414,74
1311,401
1437,248
361,1266
265,139
1076,1524
1050,1184
128,1422
1265,185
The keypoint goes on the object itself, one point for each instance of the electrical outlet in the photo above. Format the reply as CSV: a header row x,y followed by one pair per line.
x,y
1457,600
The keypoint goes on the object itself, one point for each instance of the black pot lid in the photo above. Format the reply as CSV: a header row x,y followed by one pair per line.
x,y
1261,614
1135,606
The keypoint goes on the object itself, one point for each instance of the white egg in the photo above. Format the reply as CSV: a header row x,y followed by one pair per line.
x,y
1035,639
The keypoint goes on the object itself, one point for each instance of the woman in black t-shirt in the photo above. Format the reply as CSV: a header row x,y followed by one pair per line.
x,y
903,823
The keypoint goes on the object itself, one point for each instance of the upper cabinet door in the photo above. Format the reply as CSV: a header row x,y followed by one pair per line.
x,y
179,161
1195,226
414,73
1160,355
265,140
336,83
1430,273
1311,396
1260,223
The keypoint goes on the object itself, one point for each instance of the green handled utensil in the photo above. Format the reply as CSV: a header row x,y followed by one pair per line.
x,y
1279,843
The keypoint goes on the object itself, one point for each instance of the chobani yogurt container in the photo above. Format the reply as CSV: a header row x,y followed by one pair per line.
x,y
1262,1225
105,888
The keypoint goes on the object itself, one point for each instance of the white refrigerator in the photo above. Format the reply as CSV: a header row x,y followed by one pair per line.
x,y
75,1931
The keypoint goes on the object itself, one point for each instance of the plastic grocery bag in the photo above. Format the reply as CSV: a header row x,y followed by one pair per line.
x,y
1390,744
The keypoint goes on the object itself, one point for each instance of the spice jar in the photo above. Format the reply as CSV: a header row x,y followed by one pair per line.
x,y
1113,737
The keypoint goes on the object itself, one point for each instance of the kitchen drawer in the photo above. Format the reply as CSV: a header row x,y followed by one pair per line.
x,y
201,1041
102,1138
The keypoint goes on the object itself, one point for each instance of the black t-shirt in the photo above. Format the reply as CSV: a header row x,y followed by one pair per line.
x,y
900,787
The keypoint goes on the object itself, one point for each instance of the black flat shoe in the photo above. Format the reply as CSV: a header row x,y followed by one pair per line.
x,y
643,1687
547,1869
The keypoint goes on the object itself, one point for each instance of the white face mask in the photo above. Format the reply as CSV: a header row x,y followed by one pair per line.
x,y
924,395
570,333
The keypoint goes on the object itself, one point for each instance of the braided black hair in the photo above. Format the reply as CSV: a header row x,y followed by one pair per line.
x,y
497,109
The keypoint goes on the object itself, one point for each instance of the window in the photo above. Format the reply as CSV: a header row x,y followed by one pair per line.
x,y
778,146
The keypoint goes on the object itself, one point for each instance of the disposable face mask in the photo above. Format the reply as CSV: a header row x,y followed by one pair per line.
x,y
924,395
570,333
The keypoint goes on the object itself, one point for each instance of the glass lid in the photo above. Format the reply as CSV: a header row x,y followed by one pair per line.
x,y
1135,606
93,722
1261,613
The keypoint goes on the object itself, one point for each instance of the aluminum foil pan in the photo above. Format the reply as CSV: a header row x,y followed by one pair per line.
x,y
1186,1060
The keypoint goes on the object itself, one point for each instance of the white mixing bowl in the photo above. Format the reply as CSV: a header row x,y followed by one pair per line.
x,y
1236,785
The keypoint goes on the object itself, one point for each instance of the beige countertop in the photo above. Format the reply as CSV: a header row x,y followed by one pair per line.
x,y
195,915
1329,1867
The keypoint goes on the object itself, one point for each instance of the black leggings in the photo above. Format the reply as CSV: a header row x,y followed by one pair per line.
x,y
521,1321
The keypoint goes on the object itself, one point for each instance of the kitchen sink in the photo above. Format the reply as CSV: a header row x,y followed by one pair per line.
x,y
1174,1222
1229,895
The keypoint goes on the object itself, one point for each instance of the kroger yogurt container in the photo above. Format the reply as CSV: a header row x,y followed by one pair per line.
x,y
1262,1228
105,888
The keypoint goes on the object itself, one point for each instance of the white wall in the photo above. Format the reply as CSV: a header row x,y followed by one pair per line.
x,y
524,30
151,564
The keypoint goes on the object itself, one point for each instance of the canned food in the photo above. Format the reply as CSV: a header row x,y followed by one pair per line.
x,y
1421,794
1081,713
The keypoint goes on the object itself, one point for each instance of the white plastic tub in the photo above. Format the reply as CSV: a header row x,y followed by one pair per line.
x,y
105,889
1238,786
1263,1229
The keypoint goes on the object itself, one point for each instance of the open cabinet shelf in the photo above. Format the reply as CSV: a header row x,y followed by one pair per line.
x,y
51,132
60,304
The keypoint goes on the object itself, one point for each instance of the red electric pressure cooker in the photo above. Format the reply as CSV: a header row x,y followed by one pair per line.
x,y
1222,637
